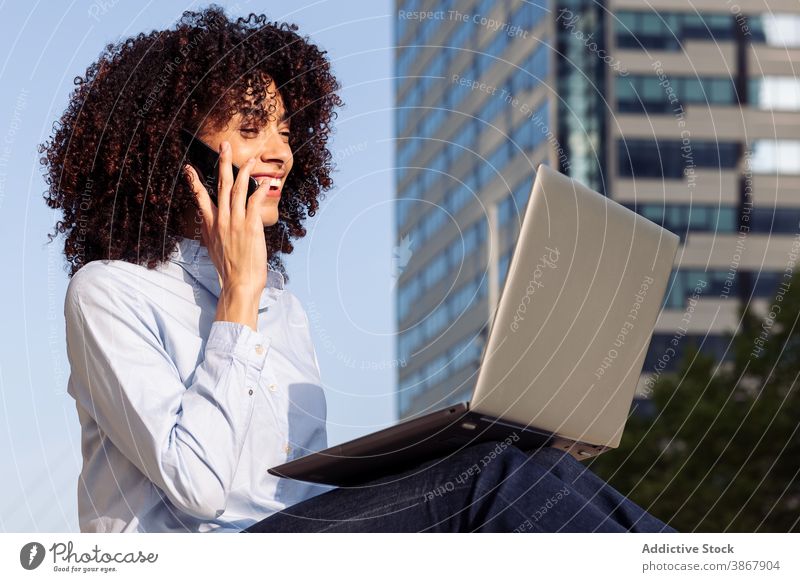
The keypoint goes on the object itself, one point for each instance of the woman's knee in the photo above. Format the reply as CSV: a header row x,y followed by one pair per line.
x,y
483,465
488,460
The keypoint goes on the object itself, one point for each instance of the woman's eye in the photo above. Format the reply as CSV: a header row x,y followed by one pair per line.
x,y
286,133
249,130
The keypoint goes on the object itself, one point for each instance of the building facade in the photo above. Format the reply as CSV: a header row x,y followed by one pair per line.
x,y
688,114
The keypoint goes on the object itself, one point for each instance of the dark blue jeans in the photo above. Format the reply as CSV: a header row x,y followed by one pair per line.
x,y
486,487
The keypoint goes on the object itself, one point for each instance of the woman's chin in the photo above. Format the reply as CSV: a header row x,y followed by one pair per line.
x,y
269,216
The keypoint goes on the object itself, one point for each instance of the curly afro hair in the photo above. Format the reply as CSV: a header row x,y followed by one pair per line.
x,y
114,162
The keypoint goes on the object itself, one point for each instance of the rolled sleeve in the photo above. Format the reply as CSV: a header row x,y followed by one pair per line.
x,y
242,342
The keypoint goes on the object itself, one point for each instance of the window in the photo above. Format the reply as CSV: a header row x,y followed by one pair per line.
x,y
435,371
665,159
722,91
402,24
497,46
682,218
471,182
401,119
484,62
528,134
529,14
484,7
439,163
522,192
467,134
408,342
474,236
492,106
435,322
650,24
407,56
456,199
708,154
775,93
461,299
483,286
431,122
437,66
407,295
461,34
535,67
406,152
434,270
766,283
684,283
404,207
669,30
426,29
454,254
485,173
499,157
465,353
433,221
776,156
715,345
775,220
782,30
627,23
471,242
645,94
505,210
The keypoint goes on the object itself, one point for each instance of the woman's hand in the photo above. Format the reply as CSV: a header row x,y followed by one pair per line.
x,y
234,236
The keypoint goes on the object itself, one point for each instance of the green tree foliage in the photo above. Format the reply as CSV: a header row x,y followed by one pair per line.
x,y
721,452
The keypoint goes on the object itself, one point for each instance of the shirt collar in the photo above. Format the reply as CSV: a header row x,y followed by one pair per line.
x,y
193,257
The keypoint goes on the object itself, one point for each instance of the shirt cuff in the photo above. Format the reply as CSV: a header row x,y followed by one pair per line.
x,y
241,340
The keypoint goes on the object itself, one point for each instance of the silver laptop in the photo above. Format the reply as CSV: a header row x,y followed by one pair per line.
x,y
565,347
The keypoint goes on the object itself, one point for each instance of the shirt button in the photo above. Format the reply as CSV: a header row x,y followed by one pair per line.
x,y
259,349
250,392
273,387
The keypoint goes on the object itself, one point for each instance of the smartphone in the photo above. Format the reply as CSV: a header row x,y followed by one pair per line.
x,y
205,160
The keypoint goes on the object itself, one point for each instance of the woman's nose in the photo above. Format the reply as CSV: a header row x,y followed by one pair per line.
x,y
276,150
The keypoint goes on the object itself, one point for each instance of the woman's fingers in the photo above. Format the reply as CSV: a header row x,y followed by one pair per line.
x,y
235,240
224,183
207,207
240,193
253,218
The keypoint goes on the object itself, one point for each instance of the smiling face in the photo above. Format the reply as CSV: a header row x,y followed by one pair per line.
x,y
269,145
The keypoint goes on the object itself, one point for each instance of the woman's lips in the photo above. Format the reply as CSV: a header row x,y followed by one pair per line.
x,y
274,185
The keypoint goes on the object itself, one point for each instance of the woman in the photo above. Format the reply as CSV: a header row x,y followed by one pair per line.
x,y
192,365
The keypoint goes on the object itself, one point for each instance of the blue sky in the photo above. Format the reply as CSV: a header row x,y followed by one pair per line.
x,y
342,271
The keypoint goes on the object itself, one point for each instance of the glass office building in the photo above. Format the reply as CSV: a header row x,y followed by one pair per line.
x,y
705,140
690,118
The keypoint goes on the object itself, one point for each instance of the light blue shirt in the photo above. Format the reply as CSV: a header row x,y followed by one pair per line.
x,y
181,415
